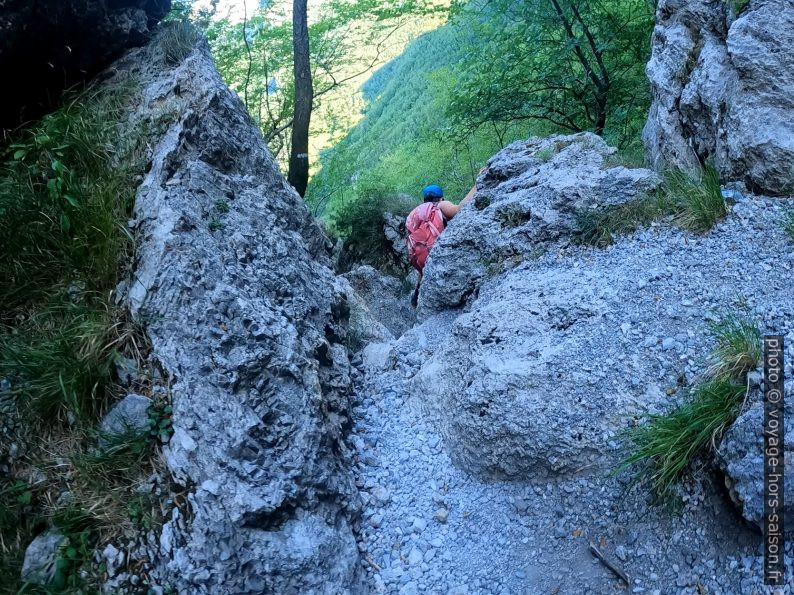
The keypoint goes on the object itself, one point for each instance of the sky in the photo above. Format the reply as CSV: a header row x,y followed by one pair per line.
x,y
236,9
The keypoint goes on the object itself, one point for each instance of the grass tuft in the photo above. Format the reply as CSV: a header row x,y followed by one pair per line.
x,y
693,203
700,201
178,41
787,223
666,446
597,227
738,348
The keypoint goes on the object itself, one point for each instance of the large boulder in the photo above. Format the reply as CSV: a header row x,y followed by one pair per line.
x,y
723,89
532,193
47,46
551,358
741,457
385,297
232,280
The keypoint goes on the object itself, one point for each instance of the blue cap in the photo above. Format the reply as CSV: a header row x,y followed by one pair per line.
x,y
432,191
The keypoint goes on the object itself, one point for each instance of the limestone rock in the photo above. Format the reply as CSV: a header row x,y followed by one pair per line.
x,y
723,89
741,457
529,196
41,557
130,415
234,285
385,297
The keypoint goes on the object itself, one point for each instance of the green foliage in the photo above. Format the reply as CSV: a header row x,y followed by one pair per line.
x,y
67,187
406,139
222,206
66,192
666,446
178,40
739,6
700,198
60,358
568,65
738,348
216,224
346,38
361,224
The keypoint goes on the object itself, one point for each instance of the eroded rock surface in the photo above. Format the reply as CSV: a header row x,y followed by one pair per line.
x,y
530,195
741,457
234,285
385,297
723,89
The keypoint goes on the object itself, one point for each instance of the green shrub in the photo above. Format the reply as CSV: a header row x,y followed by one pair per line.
x,y
360,224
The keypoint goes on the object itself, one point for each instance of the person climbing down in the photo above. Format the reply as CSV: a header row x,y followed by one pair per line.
x,y
425,223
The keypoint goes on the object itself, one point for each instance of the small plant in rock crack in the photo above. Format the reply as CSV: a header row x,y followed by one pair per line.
x,y
546,155
216,224
178,41
140,510
75,557
222,206
160,424
787,222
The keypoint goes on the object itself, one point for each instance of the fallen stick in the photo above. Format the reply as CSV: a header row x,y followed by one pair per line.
x,y
372,563
618,572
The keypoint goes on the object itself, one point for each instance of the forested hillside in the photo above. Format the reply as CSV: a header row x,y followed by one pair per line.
x,y
496,72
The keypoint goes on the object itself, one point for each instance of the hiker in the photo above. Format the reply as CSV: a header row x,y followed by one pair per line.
x,y
425,223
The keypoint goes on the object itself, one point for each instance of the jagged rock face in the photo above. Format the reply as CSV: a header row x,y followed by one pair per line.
x,y
530,195
723,89
385,297
741,457
47,46
232,280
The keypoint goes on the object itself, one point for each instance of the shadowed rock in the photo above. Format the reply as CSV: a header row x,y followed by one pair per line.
x,y
47,46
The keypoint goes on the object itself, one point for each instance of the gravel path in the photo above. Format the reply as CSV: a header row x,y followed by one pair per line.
x,y
429,527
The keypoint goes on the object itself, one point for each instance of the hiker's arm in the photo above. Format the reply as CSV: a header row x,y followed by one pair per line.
x,y
469,196
450,209
472,192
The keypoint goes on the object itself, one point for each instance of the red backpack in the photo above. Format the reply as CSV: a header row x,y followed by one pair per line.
x,y
424,224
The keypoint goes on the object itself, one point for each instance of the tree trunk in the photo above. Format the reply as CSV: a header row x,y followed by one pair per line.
x,y
299,155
